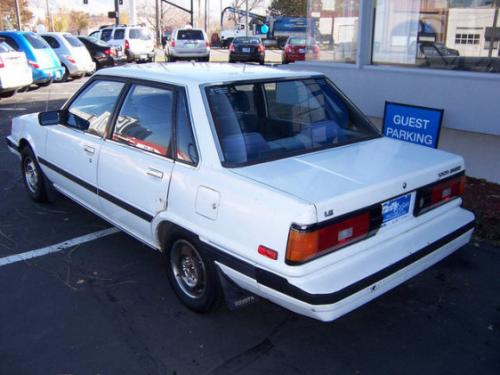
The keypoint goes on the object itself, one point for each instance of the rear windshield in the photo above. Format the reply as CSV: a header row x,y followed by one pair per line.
x,y
36,41
262,121
301,41
190,35
138,34
73,40
246,40
4,47
97,41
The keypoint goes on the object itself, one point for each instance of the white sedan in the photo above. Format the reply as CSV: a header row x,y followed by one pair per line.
x,y
265,180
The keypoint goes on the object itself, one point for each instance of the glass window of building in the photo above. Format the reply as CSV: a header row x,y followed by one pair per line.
x,y
438,34
332,32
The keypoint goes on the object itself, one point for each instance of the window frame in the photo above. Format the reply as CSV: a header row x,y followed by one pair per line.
x,y
206,86
128,82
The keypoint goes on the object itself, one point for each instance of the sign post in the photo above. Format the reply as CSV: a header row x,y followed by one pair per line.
x,y
414,124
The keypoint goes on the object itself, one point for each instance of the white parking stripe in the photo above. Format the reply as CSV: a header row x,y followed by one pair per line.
x,y
57,247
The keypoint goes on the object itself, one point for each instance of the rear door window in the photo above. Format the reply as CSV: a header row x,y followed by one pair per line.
x,y
73,40
138,34
190,35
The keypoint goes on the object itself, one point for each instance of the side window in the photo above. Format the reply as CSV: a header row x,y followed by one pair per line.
x,y
91,110
186,146
52,41
11,42
119,34
145,120
106,34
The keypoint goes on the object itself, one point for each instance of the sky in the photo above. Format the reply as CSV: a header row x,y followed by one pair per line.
x,y
104,6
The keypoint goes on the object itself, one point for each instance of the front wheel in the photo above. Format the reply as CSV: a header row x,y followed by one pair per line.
x,y
193,276
32,176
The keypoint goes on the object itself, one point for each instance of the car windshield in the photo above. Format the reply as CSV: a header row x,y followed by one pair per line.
x,y
138,34
256,122
190,35
246,40
73,40
36,41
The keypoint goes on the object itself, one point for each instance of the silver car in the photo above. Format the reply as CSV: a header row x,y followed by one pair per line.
x,y
188,44
75,58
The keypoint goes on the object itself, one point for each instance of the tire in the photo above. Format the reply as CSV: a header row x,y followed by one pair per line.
x,y
192,275
65,75
261,62
32,176
7,94
44,84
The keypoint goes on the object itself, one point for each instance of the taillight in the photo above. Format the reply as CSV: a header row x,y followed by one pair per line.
x,y
207,43
288,49
2,65
307,243
70,59
108,52
232,48
172,43
127,45
33,64
434,195
261,48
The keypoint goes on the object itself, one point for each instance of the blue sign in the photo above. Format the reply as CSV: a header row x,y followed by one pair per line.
x,y
413,124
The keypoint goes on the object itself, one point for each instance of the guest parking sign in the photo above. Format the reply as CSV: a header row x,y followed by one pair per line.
x,y
413,124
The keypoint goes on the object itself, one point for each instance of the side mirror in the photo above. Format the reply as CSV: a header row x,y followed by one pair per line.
x,y
50,118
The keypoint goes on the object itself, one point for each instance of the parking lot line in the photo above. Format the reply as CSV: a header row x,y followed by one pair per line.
x,y
57,247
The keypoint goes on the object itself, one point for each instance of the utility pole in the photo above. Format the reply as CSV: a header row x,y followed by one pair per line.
x,y
158,27
246,18
117,12
493,35
206,15
18,15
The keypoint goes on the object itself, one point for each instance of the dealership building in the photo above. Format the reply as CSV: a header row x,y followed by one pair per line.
x,y
441,54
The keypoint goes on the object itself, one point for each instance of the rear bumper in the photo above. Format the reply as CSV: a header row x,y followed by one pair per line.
x,y
246,57
45,75
189,53
140,55
311,295
11,81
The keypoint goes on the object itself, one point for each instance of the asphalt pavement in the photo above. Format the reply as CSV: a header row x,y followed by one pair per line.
x,y
105,306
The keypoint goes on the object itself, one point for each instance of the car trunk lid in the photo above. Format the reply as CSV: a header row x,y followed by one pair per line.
x,y
344,179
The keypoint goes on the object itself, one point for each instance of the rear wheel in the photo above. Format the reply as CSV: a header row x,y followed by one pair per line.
x,y
65,75
192,275
32,176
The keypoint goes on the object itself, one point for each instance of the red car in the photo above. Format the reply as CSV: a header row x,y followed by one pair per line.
x,y
296,49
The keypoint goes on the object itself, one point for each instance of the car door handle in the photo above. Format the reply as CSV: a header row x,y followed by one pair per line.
x,y
155,173
89,149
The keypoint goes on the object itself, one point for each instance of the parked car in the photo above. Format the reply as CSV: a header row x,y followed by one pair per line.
x,y
297,48
247,49
135,41
249,177
103,54
15,72
188,44
74,57
44,63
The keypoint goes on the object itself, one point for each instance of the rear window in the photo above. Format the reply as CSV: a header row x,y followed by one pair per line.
x,y
36,41
4,47
262,121
190,35
119,34
73,40
138,34
97,41
246,40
